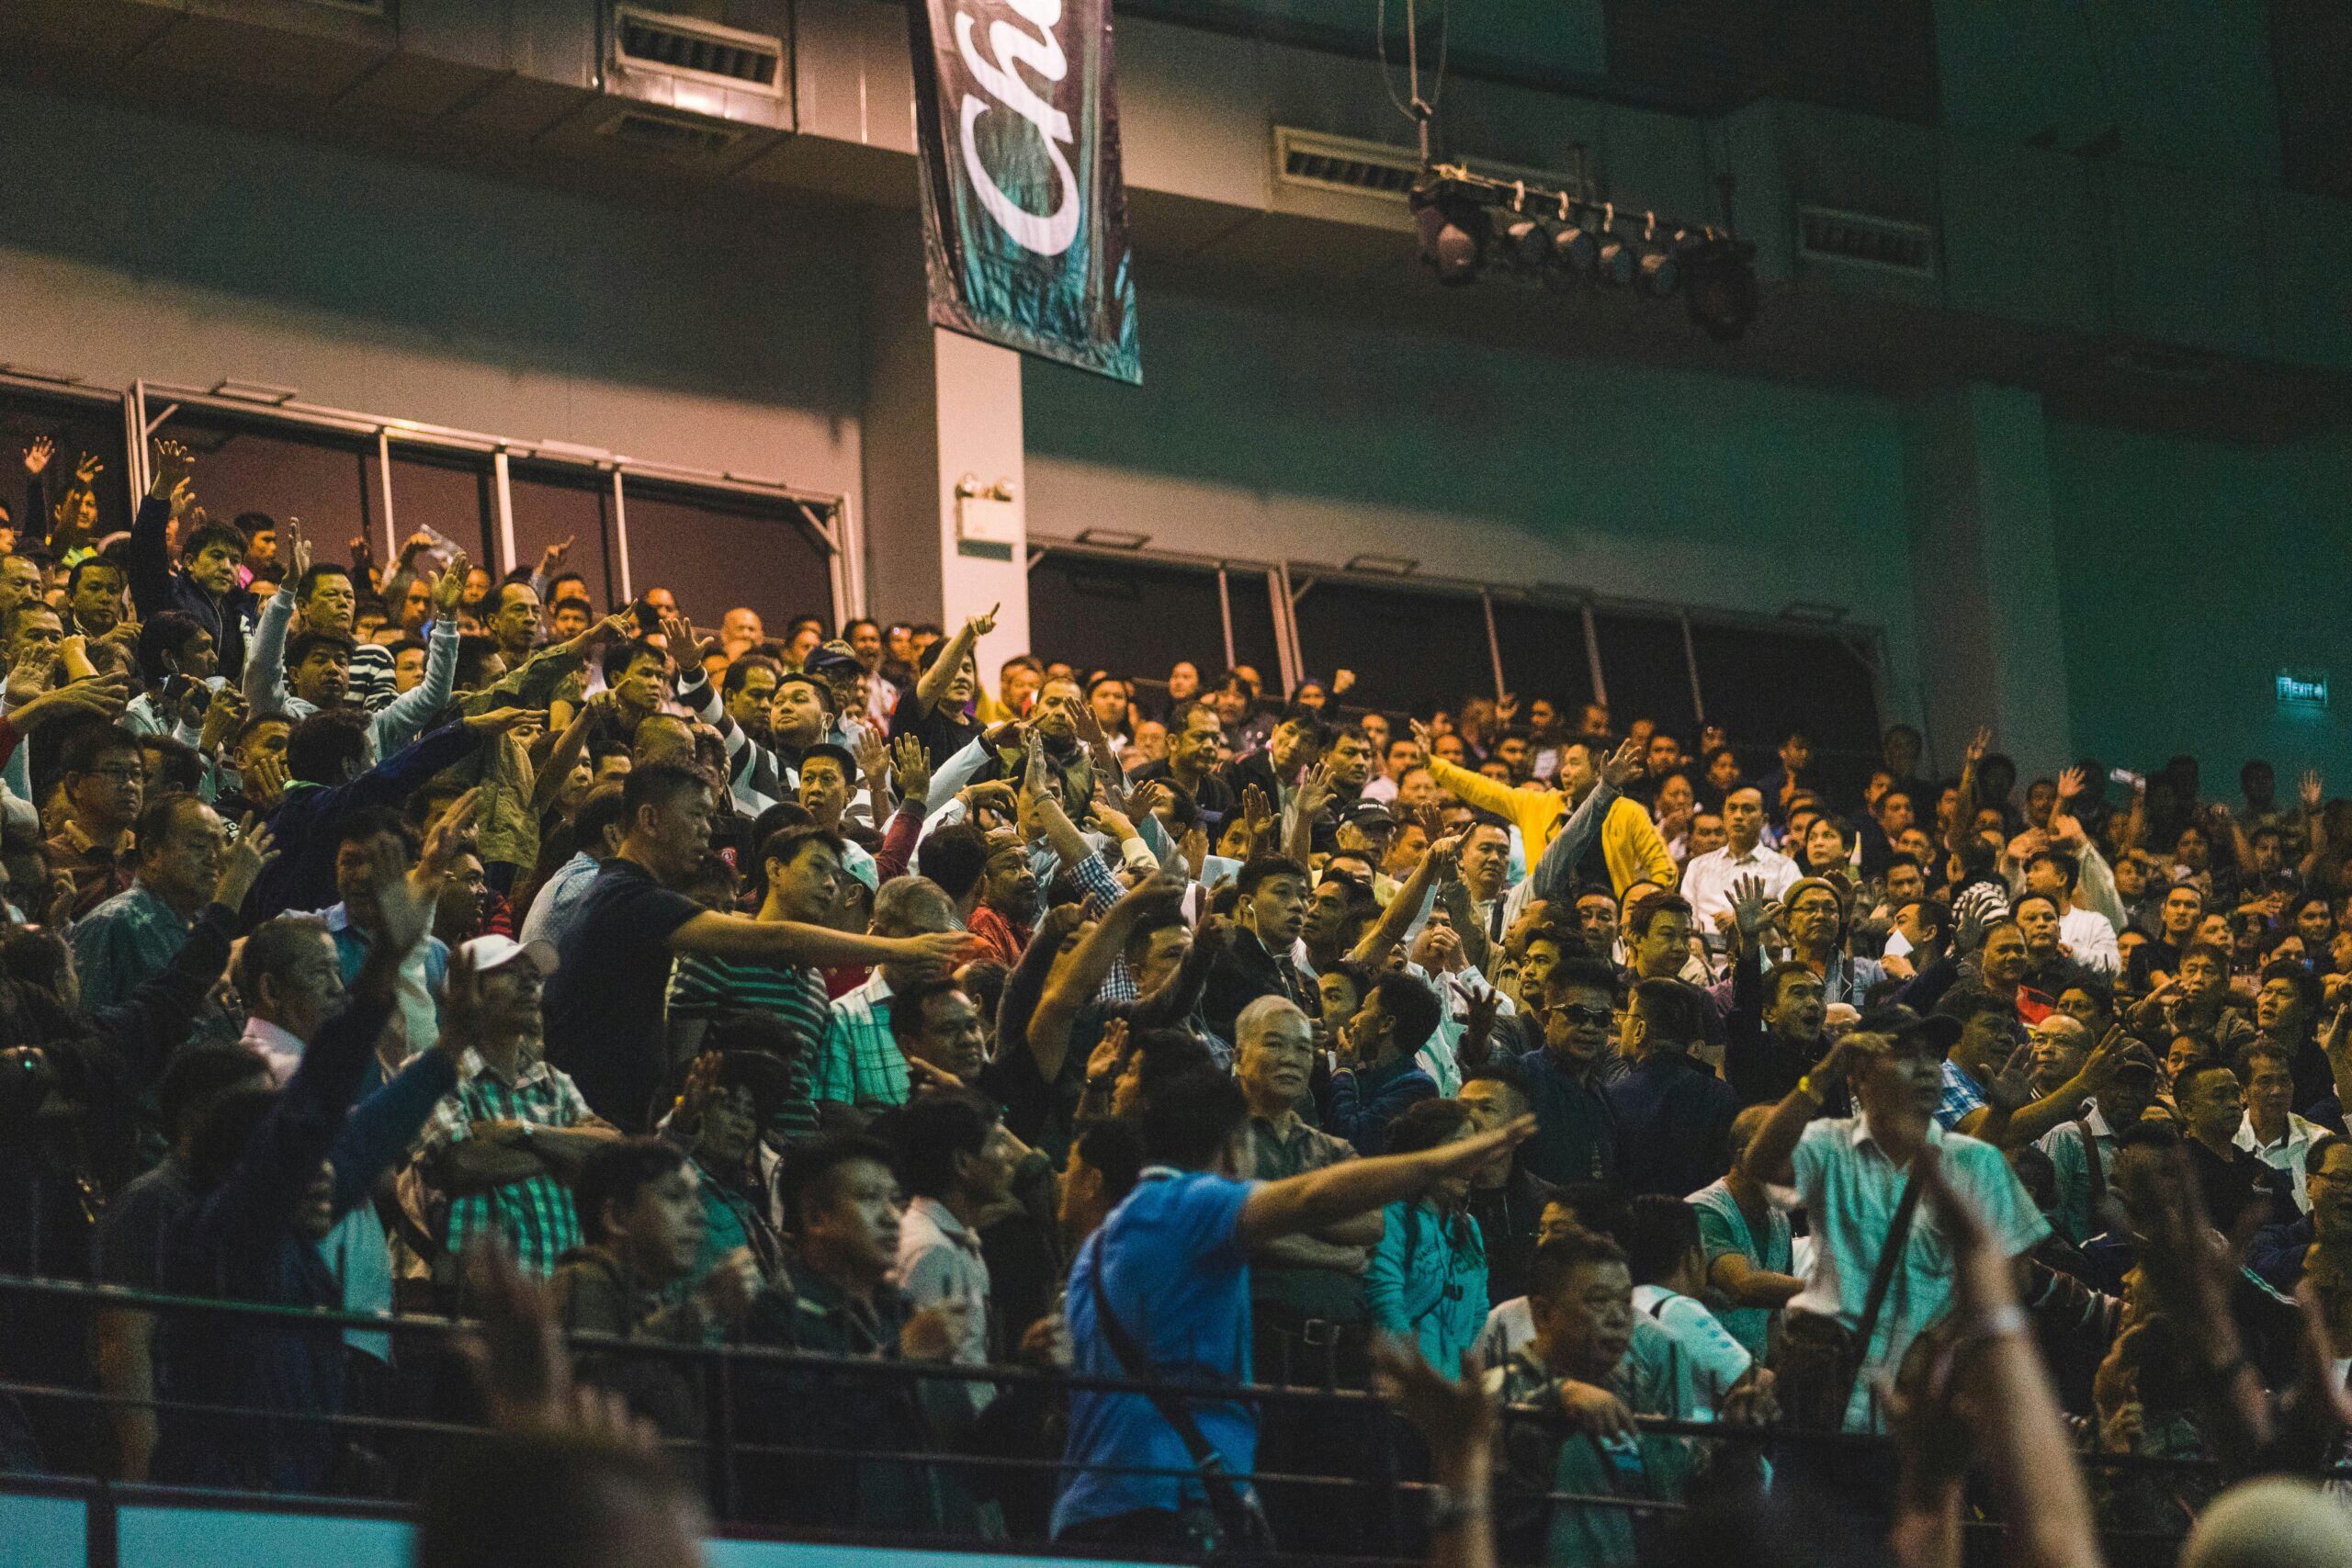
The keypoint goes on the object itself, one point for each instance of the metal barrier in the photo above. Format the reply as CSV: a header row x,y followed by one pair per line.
x,y
438,1409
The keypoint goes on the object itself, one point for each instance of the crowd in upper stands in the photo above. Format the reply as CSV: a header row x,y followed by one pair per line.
x,y
826,993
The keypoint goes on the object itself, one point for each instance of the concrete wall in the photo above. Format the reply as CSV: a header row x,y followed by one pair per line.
x,y
132,245
2191,574
1258,437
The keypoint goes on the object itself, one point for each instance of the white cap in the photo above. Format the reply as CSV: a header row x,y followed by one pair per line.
x,y
2274,1522
489,952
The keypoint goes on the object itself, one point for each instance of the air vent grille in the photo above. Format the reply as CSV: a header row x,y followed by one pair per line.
x,y
1858,238
1319,161
684,46
673,136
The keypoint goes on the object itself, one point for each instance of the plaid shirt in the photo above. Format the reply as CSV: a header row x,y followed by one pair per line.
x,y
1963,1094
1098,890
858,1062
534,1217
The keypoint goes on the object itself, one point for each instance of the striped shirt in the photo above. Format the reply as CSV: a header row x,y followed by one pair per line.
x,y
704,986
534,1216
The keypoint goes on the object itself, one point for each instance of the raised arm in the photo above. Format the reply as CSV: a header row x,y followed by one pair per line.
x,y
1770,1156
941,674
1389,930
405,715
1079,981
1556,870
790,942
149,564
1321,1198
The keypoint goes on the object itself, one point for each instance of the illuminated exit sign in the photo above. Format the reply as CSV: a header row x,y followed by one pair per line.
x,y
2302,688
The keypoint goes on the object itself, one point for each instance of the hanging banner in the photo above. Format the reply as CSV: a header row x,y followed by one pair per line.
x,y
1025,216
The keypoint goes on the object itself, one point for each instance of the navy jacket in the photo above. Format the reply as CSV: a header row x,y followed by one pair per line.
x,y
156,586
1673,1124
238,1240
1576,1127
1360,1104
302,877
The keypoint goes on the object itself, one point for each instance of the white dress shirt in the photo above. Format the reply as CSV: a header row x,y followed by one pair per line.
x,y
2089,939
1707,883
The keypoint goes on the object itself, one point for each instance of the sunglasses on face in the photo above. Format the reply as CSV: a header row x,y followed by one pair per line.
x,y
1575,1016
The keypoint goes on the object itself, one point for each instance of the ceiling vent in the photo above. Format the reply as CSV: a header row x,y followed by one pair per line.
x,y
683,137
697,50
1319,161
1857,239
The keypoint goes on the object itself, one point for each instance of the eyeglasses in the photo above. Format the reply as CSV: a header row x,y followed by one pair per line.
x,y
1575,1016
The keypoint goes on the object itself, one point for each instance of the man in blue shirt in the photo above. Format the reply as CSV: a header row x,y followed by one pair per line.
x,y
1673,1114
1172,1265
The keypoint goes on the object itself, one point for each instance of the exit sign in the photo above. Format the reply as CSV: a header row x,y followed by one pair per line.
x,y
2302,688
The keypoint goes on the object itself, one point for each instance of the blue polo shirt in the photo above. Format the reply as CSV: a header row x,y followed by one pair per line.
x,y
1176,1275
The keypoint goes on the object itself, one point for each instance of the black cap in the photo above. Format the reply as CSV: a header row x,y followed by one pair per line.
x,y
1900,1024
1368,813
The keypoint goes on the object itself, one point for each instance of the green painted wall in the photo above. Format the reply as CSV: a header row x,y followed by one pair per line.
x,y
2189,575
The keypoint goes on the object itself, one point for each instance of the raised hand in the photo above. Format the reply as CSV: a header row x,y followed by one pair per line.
x,y
1978,744
404,910
1316,790
1750,909
982,625
1507,707
1257,813
552,557
1109,1058
38,455
873,754
87,470
449,588
2072,784
2011,1089
1342,681
297,547
911,768
932,1334
1147,798
2310,791
243,861
1423,738
449,837
1624,764
173,468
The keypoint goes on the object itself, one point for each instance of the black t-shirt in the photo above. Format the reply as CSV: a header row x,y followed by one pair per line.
x,y
605,1003
942,733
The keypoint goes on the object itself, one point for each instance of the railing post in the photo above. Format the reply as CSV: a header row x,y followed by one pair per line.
x,y
724,1422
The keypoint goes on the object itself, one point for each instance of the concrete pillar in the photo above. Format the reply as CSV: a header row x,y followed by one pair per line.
x,y
939,408
1984,571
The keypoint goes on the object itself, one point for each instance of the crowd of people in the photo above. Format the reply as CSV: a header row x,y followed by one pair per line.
x,y
814,994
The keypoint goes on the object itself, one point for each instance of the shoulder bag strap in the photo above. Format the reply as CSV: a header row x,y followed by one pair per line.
x,y
2095,1170
1236,1512
1890,1257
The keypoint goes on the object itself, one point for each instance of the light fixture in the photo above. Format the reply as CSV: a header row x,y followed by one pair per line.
x,y
1387,565
1813,612
1454,229
1661,272
1463,219
1113,538
1718,286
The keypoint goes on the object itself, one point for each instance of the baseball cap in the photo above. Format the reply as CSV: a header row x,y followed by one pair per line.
x,y
1936,1031
1369,814
2137,1061
489,952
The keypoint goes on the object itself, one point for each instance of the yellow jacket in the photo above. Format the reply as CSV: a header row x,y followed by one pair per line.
x,y
1629,841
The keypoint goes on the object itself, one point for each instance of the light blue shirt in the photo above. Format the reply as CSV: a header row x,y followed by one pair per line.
x,y
556,906
1175,1274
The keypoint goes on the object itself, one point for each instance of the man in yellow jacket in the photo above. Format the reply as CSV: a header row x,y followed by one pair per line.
x,y
1629,841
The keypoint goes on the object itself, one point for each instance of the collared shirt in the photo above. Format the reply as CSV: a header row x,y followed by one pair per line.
x,y
2075,1211
704,986
939,1259
124,942
281,1050
2089,937
99,871
1174,1271
534,1216
1850,1190
1279,1150
859,1062
1963,1094
416,1006
556,903
1707,881
2286,1155
1724,1229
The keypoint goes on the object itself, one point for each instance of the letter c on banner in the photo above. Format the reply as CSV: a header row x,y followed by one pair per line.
x,y
1052,233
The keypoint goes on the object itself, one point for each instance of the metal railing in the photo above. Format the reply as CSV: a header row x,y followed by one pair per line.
x,y
1379,1488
